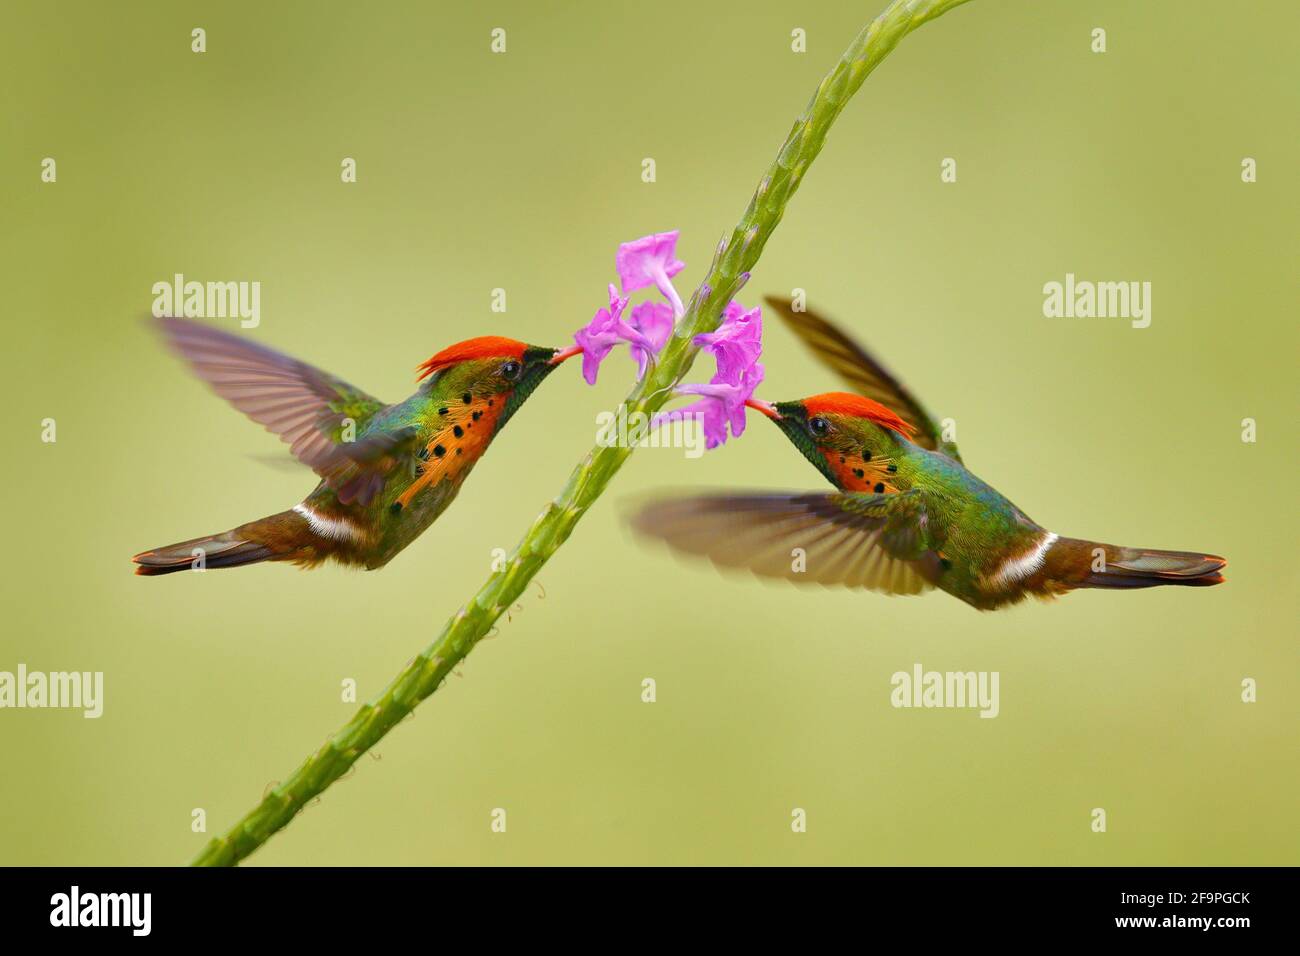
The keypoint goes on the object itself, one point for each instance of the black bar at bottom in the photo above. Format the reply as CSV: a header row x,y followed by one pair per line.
x,y
337,905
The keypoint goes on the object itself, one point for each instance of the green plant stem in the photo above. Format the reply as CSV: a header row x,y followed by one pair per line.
x,y
735,257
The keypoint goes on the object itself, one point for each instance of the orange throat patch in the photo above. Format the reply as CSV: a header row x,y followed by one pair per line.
x,y
875,475
463,436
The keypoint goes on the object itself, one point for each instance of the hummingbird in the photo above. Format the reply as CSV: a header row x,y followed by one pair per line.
x,y
907,516
386,471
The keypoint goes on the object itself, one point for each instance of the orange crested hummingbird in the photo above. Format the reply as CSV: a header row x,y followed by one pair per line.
x,y
386,471
908,516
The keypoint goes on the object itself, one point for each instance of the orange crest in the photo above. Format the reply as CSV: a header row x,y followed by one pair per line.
x,y
857,406
485,346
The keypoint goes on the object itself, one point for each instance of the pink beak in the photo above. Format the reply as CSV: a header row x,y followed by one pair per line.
x,y
562,354
767,408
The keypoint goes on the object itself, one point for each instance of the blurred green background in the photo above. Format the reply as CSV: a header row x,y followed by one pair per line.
x,y
522,171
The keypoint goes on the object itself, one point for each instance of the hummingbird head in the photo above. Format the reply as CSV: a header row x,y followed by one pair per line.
x,y
492,365
839,427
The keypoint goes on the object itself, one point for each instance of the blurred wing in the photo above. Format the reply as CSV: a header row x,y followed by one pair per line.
x,y
300,403
842,540
863,373
306,407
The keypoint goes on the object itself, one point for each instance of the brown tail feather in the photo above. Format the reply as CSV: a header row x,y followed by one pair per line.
x,y
280,537
1073,563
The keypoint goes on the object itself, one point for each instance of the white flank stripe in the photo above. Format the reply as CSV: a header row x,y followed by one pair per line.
x,y
1019,568
334,528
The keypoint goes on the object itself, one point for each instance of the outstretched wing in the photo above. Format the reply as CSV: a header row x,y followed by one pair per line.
x,y
863,373
850,540
306,407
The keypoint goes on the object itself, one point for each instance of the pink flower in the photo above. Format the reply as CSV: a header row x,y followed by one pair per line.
x,y
651,260
654,321
605,330
737,343
736,346
721,404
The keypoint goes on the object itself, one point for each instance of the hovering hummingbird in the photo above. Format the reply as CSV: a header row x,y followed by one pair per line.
x,y
908,516
386,471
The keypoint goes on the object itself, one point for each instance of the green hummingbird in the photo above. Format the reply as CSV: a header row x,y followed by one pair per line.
x,y
386,471
908,516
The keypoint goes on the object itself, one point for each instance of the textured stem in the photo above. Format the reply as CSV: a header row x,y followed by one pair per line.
x,y
735,257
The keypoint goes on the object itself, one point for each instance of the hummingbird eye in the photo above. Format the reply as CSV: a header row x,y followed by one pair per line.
x,y
511,369
819,426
